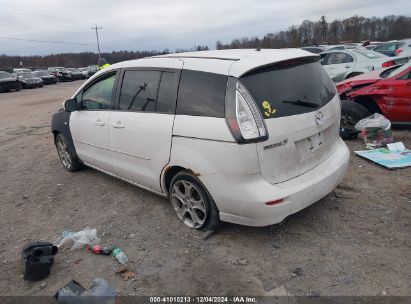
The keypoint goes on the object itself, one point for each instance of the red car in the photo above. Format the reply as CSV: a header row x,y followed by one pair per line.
x,y
386,91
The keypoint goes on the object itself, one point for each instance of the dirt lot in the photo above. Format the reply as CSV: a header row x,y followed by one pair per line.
x,y
355,241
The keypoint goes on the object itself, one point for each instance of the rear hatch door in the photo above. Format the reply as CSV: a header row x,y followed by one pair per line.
x,y
302,114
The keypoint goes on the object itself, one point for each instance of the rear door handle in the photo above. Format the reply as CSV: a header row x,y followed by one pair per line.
x,y
118,125
100,123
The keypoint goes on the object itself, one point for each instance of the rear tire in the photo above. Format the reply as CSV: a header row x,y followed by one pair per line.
x,y
68,160
351,113
192,203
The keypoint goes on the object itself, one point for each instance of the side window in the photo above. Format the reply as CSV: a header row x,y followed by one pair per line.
x,y
338,58
99,95
201,94
148,91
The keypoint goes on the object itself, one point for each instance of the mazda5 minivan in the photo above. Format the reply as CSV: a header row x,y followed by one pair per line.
x,y
241,136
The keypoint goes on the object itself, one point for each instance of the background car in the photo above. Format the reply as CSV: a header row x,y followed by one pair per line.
x,y
387,92
76,73
8,82
92,69
343,64
28,80
61,73
15,71
46,77
85,72
395,48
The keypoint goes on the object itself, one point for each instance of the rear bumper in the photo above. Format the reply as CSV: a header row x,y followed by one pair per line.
x,y
241,198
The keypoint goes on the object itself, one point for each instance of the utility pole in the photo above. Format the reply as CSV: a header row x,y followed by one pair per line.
x,y
96,28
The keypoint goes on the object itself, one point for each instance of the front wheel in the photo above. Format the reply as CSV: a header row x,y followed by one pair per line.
x,y
69,162
192,203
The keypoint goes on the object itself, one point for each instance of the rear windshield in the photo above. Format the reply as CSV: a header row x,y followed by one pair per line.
x,y
4,75
370,54
290,89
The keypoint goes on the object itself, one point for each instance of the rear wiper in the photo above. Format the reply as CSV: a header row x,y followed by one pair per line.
x,y
302,103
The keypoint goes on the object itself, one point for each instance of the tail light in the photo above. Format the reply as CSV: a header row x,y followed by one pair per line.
x,y
398,51
388,63
242,114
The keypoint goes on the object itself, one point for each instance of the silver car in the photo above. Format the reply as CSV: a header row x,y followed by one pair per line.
x,y
343,64
395,48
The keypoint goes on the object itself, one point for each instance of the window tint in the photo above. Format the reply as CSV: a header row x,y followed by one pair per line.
x,y
338,58
202,94
139,90
99,95
5,75
148,91
390,46
313,50
289,89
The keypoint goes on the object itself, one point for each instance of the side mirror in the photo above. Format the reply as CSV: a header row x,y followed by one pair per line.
x,y
70,105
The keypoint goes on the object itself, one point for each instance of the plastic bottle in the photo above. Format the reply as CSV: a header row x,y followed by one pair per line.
x,y
119,255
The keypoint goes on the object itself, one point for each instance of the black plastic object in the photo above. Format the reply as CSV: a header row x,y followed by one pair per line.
x,y
38,258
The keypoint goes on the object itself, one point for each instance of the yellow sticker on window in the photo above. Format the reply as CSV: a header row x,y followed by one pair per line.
x,y
268,108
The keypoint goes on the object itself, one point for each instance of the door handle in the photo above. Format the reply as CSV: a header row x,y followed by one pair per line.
x,y
118,125
100,123
347,66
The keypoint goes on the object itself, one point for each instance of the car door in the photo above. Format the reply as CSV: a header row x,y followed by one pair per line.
x,y
338,65
399,98
89,125
141,126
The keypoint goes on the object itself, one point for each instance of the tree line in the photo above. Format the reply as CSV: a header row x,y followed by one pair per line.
x,y
353,29
83,59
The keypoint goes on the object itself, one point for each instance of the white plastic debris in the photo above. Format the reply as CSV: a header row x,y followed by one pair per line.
x,y
87,236
375,130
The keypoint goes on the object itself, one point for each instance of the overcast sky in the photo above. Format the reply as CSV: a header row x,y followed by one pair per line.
x,y
161,24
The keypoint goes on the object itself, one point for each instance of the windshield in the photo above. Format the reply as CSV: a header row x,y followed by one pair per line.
x,y
5,75
26,75
289,89
370,54
41,73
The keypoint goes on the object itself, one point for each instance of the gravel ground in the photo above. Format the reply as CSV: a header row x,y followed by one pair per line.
x,y
356,241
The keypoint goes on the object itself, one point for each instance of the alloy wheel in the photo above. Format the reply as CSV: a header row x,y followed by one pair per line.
x,y
63,152
189,204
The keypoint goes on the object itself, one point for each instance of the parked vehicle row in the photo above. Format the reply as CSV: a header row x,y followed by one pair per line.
x,y
26,78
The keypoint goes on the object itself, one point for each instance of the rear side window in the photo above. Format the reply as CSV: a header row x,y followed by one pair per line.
x,y
148,91
289,89
337,58
201,94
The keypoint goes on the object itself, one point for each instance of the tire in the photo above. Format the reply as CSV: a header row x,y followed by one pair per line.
x,y
351,113
18,88
192,203
69,162
353,75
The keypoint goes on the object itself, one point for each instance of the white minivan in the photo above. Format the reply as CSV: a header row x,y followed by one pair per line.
x,y
241,136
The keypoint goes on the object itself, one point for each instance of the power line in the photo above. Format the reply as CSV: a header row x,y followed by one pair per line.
x,y
37,28
44,41
38,14
56,42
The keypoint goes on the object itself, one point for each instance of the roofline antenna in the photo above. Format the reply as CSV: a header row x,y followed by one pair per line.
x,y
96,28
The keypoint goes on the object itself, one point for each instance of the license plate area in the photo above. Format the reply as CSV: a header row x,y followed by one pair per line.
x,y
315,142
